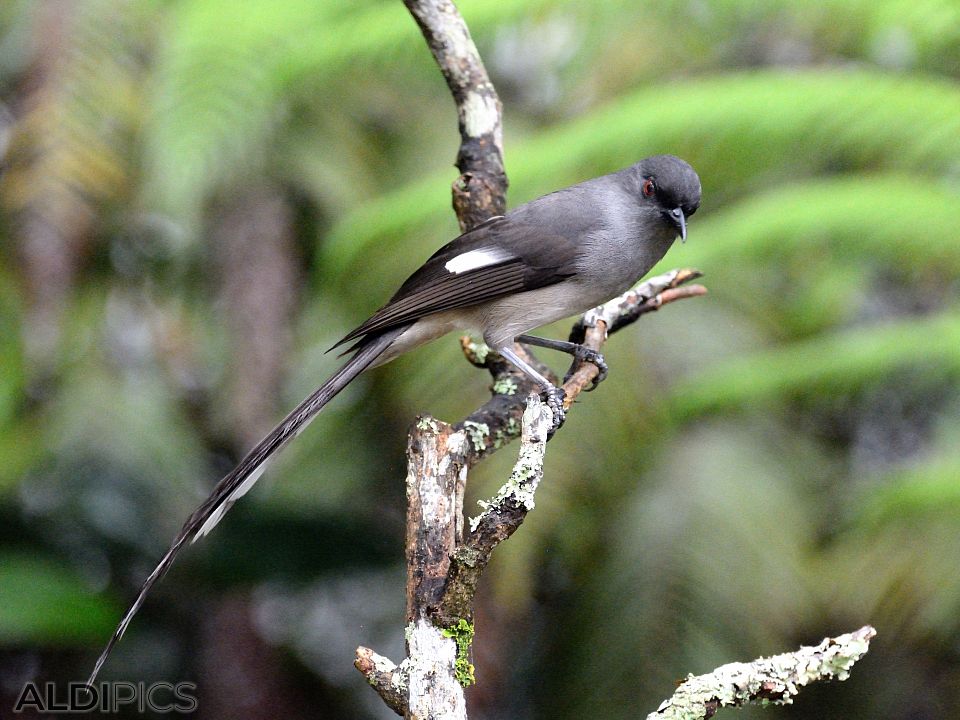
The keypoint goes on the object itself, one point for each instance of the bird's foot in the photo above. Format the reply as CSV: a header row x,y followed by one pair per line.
x,y
585,354
553,396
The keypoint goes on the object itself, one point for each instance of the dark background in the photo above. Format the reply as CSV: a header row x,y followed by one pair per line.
x,y
200,196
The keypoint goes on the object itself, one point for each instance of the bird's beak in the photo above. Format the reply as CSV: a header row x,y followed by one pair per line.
x,y
676,215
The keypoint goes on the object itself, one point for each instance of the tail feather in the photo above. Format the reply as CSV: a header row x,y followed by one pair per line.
x,y
239,480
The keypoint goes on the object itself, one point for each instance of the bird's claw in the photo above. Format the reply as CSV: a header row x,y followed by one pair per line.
x,y
589,355
585,354
553,397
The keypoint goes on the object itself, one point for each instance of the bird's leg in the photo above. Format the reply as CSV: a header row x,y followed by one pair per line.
x,y
580,352
553,395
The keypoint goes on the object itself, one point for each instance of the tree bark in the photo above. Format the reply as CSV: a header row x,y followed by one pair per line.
x,y
481,190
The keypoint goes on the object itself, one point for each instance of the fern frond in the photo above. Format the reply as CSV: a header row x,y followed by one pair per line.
x,y
836,363
743,132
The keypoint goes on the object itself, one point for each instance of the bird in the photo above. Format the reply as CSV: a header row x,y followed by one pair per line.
x,y
556,256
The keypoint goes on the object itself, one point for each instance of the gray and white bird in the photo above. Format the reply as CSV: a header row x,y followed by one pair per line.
x,y
553,257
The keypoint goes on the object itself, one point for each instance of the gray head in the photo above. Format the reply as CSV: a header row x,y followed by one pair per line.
x,y
668,185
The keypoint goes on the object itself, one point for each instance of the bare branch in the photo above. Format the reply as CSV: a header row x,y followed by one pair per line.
x,y
384,677
765,680
480,191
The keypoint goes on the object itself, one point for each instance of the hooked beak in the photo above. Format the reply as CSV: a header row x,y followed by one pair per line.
x,y
678,219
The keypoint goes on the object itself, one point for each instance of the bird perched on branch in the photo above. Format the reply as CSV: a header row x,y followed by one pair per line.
x,y
553,257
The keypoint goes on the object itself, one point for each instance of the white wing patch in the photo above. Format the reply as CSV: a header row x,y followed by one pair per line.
x,y
245,486
211,522
242,489
474,259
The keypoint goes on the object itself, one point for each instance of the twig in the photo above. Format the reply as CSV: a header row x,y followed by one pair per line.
x,y
765,680
594,327
384,677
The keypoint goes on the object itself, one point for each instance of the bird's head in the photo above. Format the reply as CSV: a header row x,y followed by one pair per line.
x,y
670,186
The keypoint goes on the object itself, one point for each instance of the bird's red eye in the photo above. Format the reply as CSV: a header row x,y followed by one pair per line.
x,y
649,188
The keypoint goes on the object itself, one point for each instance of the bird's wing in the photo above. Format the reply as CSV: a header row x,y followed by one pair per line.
x,y
499,257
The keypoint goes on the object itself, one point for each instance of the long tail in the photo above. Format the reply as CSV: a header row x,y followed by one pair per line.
x,y
239,480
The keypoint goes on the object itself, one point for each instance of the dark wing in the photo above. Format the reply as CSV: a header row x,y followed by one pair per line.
x,y
520,257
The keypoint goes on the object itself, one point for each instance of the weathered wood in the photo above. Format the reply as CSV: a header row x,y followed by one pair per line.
x,y
481,190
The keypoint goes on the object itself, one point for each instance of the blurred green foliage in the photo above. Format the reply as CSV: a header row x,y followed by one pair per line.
x,y
768,465
36,595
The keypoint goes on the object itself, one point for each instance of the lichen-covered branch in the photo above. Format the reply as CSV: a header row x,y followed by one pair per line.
x,y
429,683
436,478
427,678
443,565
480,191
435,689
500,517
497,422
773,680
